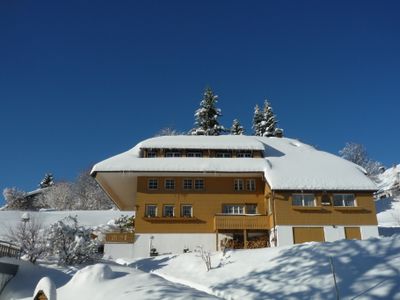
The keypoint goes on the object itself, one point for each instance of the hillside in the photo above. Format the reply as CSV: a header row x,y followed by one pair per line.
x,y
388,200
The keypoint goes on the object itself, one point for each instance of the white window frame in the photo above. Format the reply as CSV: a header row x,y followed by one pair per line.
x,y
222,154
150,186
194,154
183,206
169,184
173,154
164,210
250,185
343,200
303,202
147,210
233,209
238,185
196,186
244,154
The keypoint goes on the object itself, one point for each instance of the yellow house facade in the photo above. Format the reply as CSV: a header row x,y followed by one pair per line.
x,y
235,191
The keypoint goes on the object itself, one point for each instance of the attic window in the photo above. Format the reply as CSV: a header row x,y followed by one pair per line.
x,y
243,154
223,154
172,154
194,154
151,154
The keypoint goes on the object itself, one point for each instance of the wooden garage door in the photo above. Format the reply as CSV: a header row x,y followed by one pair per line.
x,y
352,233
308,234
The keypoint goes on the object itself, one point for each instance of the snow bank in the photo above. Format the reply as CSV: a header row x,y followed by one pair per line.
x,y
47,286
368,269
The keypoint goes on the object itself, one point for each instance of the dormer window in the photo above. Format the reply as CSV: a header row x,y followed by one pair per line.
x,y
194,154
151,154
223,154
244,154
172,154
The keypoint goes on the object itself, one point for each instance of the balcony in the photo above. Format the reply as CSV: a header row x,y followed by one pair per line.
x,y
242,222
120,237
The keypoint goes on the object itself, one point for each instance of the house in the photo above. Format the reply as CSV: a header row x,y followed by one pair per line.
x,y
235,191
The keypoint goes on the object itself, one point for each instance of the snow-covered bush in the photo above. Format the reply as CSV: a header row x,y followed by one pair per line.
x,y
357,154
72,244
125,223
29,235
16,199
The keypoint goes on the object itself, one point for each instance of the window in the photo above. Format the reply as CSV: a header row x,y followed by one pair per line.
x,y
251,185
172,154
151,211
199,184
243,154
187,184
168,211
169,184
194,154
238,184
303,200
233,209
251,209
151,154
152,184
187,211
223,154
344,200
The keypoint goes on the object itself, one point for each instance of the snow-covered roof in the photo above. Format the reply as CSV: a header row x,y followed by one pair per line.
x,y
287,164
224,142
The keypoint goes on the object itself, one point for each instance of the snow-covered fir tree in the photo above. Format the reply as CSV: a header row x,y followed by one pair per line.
x,y
47,181
207,116
236,128
264,122
71,243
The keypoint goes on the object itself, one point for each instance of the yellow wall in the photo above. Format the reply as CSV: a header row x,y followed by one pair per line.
x,y
363,214
206,203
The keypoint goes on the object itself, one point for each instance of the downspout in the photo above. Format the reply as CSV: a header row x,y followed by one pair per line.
x,y
274,218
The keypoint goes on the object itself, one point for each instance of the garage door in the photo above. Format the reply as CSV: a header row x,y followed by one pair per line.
x,y
352,233
308,234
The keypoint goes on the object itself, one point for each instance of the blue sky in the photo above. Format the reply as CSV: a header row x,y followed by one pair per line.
x,y
83,80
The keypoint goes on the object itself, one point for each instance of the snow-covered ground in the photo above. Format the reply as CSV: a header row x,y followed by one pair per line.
x,y
368,269
388,204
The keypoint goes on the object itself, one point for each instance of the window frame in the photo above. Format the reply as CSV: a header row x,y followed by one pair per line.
x,y
244,154
194,154
168,206
223,154
237,209
238,185
195,184
184,187
303,199
172,154
343,200
147,206
149,185
251,187
169,187
182,210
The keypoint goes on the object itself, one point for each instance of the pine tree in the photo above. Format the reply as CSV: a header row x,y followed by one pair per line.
x,y
264,122
257,119
207,116
236,128
46,181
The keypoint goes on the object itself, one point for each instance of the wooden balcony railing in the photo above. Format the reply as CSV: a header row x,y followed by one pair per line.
x,y
120,237
241,222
